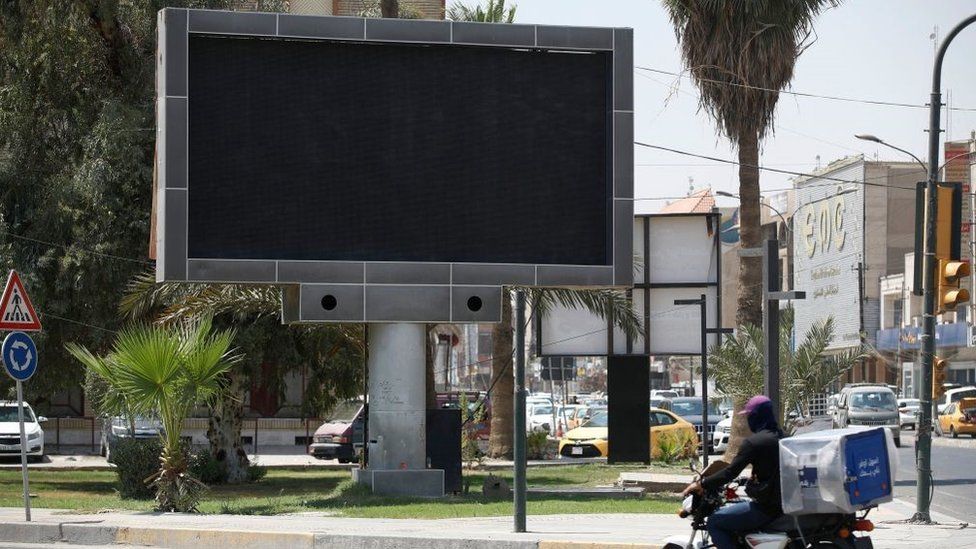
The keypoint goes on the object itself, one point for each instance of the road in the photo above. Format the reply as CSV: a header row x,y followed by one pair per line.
x,y
954,470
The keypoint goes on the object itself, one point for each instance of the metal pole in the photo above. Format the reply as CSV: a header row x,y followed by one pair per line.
x,y
706,438
519,442
771,324
924,435
23,448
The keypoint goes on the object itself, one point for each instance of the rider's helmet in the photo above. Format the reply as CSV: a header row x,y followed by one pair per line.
x,y
760,414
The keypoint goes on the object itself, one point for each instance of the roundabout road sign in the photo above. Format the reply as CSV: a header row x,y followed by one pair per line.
x,y
19,356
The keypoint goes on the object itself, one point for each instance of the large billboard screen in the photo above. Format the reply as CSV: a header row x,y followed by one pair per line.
x,y
336,150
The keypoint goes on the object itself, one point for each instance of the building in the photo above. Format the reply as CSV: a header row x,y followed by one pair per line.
x,y
854,224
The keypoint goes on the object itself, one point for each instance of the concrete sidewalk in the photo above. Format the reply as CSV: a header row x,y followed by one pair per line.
x,y
317,530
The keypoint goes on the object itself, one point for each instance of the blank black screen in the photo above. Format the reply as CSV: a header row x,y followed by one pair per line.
x,y
313,150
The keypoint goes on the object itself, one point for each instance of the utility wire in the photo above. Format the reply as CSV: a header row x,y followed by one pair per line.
x,y
774,170
802,94
75,248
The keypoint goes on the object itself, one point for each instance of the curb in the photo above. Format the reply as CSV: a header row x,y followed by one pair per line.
x,y
950,442
93,533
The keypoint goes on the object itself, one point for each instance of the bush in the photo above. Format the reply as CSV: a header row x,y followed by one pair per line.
x,y
671,446
536,444
207,469
136,460
256,472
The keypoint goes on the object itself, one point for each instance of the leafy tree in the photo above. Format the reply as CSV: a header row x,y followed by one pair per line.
x,y
493,12
805,372
77,137
740,54
165,372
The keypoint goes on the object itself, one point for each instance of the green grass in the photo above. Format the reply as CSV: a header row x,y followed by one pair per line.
x,y
333,492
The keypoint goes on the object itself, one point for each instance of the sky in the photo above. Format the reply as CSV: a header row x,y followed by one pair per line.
x,y
864,49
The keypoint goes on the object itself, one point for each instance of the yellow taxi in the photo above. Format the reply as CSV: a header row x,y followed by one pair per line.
x,y
959,418
590,438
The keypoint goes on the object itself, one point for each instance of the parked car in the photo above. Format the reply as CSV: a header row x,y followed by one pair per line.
x,y
583,414
118,428
538,417
10,431
720,438
563,415
868,404
341,437
908,412
661,402
959,418
690,409
664,393
590,440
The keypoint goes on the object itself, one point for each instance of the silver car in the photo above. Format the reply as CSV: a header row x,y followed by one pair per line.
x,y
869,405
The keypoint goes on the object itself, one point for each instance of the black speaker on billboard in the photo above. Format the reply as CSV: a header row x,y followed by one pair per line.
x,y
628,408
444,446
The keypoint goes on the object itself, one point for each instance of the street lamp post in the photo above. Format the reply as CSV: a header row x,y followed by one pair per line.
x,y
924,439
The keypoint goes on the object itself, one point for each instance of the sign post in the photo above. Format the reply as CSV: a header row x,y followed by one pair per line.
x,y
19,356
20,362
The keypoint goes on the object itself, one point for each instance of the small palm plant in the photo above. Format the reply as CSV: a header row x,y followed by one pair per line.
x,y
165,372
806,371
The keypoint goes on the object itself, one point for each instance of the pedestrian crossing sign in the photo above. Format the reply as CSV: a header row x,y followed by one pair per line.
x,y
16,311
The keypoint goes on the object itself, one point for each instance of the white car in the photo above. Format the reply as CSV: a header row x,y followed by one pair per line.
x,y
908,412
538,417
721,434
10,431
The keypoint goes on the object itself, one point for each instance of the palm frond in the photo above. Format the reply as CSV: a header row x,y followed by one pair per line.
x,y
612,305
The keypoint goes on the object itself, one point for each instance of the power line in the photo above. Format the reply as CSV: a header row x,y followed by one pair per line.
x,y
75,248
774,170
804,94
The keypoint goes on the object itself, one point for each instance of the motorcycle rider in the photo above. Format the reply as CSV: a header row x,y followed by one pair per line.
x,y
761,450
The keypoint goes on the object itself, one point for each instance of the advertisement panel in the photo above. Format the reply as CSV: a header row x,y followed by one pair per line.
x,y
828,241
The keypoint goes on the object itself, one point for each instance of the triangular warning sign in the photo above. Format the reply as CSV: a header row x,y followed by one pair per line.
x,y
16,311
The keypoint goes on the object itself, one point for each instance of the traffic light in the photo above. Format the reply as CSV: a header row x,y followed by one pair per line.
x,y
948,229
939,367
950,292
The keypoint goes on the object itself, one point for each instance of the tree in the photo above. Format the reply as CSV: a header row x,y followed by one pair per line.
x,y
740,54
493,12
164,372
806,372
76,158
330,354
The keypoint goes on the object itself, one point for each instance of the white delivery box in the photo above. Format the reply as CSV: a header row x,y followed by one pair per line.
x,y
837,471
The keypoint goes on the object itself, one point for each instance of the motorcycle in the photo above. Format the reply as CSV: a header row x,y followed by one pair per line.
x,y
820,531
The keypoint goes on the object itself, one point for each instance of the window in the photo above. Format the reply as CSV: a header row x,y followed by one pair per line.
x,y
663,419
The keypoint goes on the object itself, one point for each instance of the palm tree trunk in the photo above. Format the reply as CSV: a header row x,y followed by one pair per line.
x,y
502,383
749,309
224,429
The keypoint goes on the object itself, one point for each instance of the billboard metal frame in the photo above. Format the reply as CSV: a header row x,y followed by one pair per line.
x,y
173,187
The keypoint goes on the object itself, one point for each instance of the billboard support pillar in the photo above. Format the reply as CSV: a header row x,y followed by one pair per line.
x,y
398,412
519,449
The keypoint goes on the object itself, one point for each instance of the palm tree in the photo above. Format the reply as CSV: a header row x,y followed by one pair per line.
x,y
806,371
332,353
493,12
165,372
740,54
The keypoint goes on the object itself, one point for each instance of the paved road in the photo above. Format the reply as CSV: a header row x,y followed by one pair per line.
x,y
954,469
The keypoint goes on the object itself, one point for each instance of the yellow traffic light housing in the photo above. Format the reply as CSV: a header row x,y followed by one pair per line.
x,y
939,367
950,293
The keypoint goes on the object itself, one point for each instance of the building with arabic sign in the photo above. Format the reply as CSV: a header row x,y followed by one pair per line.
x,y
854,223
